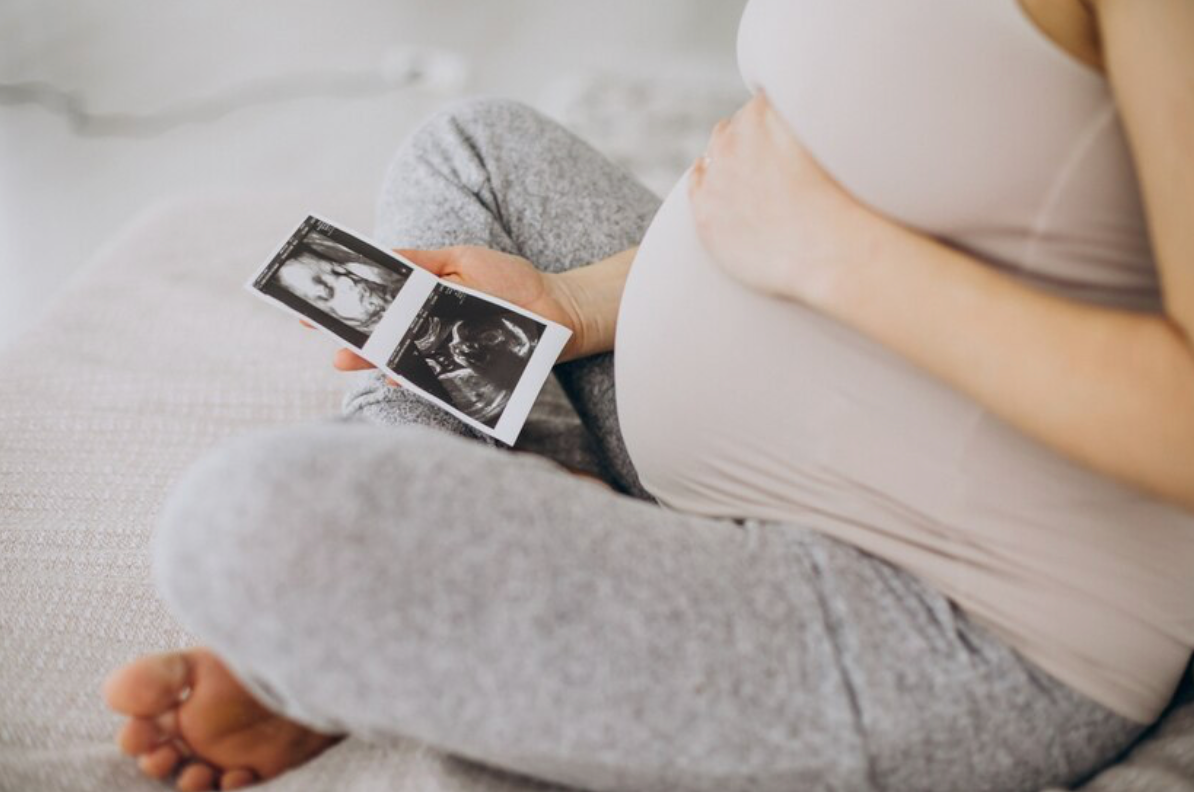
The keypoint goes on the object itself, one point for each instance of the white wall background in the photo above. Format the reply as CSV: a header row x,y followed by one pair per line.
x,y
154,76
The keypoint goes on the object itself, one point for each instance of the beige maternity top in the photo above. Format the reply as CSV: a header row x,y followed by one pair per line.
x,y
961,120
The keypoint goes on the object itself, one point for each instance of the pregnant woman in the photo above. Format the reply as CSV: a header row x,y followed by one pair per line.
x,y
898,475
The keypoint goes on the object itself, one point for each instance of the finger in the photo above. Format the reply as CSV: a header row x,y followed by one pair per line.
x,y
720,147
347,360
437,262
306,324
715,134
393,383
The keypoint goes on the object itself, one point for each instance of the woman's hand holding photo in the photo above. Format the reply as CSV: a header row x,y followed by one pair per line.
x,y
507,277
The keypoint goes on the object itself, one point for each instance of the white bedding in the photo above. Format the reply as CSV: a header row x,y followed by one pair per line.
x,y
153,355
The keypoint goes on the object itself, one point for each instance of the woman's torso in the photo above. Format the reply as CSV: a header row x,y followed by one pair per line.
x,y
962,121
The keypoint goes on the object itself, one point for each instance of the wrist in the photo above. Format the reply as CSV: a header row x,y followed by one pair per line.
x,y
837,283
562,291
589,298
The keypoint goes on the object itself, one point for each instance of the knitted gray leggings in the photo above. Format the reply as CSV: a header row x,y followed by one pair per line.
x,y
407,581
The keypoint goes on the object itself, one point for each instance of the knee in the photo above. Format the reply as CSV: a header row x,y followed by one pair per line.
x,y
372,400
481,118
235,530
458,154
474,129
488,112
259,525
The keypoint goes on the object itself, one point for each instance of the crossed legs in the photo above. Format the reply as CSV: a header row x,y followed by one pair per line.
x,y
407,581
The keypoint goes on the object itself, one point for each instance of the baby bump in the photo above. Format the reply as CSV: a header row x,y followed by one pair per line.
x,y
738,404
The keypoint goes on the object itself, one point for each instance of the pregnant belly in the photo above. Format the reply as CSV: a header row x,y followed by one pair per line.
x,y
733,404
737,404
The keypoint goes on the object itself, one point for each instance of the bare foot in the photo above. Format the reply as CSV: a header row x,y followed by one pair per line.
x,y
189,715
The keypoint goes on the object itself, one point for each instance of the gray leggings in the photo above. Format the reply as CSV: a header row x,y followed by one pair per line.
x,y
403,580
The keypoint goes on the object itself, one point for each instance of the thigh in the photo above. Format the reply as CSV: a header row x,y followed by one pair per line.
x,y
553,429
498,174
413,583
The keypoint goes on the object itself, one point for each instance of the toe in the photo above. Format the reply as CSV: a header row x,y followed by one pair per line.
x,y
139,736
196,777
160,762
167,723
149,686
237,779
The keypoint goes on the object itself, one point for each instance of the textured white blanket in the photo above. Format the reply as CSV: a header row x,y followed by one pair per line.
x,y
149,358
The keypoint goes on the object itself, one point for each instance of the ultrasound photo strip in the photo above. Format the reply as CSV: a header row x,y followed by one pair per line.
x,y
482,359
334,279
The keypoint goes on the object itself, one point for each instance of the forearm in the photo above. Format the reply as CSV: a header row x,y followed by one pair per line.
x,y
592,296
1109,389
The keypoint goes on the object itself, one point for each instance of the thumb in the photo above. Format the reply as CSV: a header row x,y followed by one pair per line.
x,y
437,262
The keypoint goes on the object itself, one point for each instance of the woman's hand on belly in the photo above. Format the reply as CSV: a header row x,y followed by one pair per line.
x,y
771,216
1106,388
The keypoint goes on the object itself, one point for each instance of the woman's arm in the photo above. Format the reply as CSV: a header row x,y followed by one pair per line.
x,y
1148,46
585,299
592,295
1111,390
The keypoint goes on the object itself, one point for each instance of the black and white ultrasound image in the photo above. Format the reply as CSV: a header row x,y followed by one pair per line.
x,y
335,280
467,352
